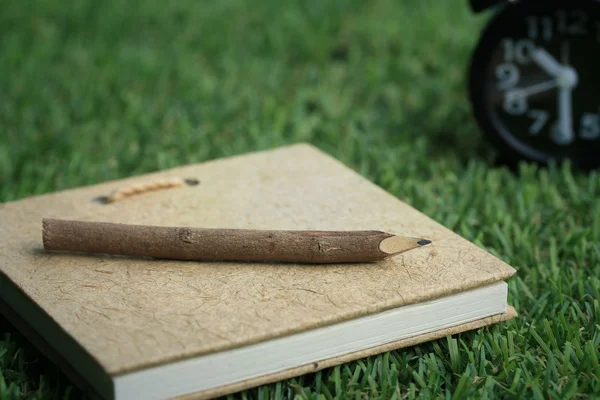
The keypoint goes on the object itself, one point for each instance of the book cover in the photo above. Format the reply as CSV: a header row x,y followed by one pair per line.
x,y
118,315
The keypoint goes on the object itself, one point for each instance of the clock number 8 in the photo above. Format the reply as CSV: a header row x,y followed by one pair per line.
x,y
515,102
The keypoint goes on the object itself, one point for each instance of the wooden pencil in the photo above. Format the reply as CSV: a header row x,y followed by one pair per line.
x,y
184,243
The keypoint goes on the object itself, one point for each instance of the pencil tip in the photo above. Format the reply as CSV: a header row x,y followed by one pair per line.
x,y
401,244
192,181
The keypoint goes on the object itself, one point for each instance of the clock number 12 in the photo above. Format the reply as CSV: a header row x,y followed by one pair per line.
x,y
573,22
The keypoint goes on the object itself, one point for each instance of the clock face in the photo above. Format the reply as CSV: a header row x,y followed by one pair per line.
x,y
535,81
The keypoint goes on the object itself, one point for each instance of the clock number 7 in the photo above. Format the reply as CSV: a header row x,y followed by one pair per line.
x,y
541,118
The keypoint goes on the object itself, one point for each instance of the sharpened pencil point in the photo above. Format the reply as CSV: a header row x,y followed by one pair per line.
x,y
400,244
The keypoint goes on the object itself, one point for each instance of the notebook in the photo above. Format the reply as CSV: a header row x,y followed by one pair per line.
x,y
142,328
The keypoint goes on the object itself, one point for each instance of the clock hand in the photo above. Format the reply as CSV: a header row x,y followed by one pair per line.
x,y
566,76
566,79
538,88
530,91
546,62
565,116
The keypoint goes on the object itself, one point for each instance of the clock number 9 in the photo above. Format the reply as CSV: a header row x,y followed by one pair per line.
x,y
508,76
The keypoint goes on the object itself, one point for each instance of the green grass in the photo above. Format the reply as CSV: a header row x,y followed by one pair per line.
x,y
98,90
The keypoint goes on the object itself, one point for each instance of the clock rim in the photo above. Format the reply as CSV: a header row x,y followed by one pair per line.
x,y
480,59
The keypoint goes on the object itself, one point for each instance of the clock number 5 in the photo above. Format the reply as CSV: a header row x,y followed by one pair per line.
x,y
590,126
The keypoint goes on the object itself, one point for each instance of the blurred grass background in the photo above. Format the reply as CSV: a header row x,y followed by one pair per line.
x,y
92,91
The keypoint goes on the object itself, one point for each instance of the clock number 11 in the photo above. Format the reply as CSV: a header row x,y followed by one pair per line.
x,y
573,22
543,24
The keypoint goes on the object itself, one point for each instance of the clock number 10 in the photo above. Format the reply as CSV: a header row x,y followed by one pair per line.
x,y
518,51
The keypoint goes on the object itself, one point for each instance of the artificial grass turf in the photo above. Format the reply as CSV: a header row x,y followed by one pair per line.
x,y
91,91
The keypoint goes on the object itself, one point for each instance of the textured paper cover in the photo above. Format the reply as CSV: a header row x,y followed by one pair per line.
x,y
134,313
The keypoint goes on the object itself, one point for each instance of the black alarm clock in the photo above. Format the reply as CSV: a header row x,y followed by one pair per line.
x,y
535,80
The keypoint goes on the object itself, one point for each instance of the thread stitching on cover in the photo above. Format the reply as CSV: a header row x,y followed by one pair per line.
x,y
140,188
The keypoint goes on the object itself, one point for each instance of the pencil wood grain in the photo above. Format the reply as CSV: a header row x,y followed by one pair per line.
x,y
185,243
